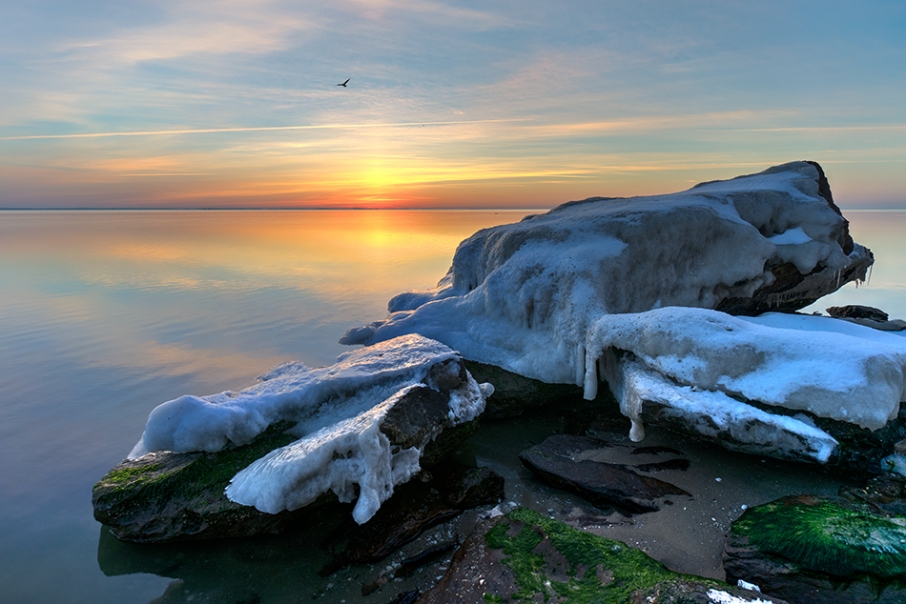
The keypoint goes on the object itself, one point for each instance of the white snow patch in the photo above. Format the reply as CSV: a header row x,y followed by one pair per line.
x,y
718,596
713,413
790,237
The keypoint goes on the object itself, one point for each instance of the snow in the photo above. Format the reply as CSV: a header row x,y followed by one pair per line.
x,y
291,391
718,596
622,289
713,414
523,296
339,410
830,368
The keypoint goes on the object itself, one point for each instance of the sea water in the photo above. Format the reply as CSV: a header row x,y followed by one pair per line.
x,y
104,315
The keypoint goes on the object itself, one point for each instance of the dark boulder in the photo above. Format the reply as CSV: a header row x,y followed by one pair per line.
x,y
559,461
434,497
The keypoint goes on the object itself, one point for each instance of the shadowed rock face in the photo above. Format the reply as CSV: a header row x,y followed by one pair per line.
x,y
820,549
435,497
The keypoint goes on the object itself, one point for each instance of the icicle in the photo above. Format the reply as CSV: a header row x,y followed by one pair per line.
x,y
580,364
591,377
631,407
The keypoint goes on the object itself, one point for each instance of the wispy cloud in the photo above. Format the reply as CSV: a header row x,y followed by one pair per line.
x,y
257,129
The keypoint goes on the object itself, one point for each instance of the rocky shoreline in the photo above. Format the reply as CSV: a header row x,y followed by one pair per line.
x,y
690,456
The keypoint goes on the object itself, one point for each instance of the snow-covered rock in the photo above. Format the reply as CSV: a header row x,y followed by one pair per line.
x,y
523,296
361,424
722,376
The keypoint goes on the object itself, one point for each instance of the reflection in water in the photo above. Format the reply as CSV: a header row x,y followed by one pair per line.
x,y
103,315
266,569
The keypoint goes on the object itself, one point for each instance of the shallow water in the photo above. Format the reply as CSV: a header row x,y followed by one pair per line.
x,y
104,315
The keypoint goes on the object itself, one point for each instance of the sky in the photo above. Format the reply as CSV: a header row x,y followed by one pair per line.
x,y
528,103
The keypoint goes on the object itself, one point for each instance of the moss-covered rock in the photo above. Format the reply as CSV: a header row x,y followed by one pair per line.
x,y
527,557
820,549
167,496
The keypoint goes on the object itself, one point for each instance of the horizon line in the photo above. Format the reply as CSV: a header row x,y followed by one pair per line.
x,y
897,208
268,208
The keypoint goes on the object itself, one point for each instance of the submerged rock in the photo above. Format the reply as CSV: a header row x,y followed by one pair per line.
x,y
563,461
352,431
810,549
524,556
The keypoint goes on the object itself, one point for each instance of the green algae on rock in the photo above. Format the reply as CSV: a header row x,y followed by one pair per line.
x,y
807,548
824,535
168,496
527,557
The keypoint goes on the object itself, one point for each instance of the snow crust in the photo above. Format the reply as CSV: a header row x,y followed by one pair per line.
x,y
523,296
830,368
738,425
339,410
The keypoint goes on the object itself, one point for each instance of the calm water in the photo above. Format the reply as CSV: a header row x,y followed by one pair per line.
x,y
103,315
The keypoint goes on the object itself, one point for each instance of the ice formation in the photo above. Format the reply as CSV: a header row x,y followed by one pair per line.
x,y
626,289
523,296
339,409
830,368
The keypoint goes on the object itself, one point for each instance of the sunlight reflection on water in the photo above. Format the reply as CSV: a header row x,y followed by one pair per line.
x,y
103,315
106,314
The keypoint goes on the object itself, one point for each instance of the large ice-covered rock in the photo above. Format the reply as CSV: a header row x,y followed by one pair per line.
x,y
356,429
637,292
523,296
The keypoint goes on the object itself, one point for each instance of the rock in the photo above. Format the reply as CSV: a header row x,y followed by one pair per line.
x,y
419,403
886,492
166,496
524,556
855,311
562,461
840,447
797,387
419,504
689,591
867,316
515,394
810,549
524,296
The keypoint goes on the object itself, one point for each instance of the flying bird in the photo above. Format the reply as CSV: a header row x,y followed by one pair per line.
x,y
344,83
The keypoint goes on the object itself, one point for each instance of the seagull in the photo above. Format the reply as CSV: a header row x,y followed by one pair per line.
x,y
344,83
